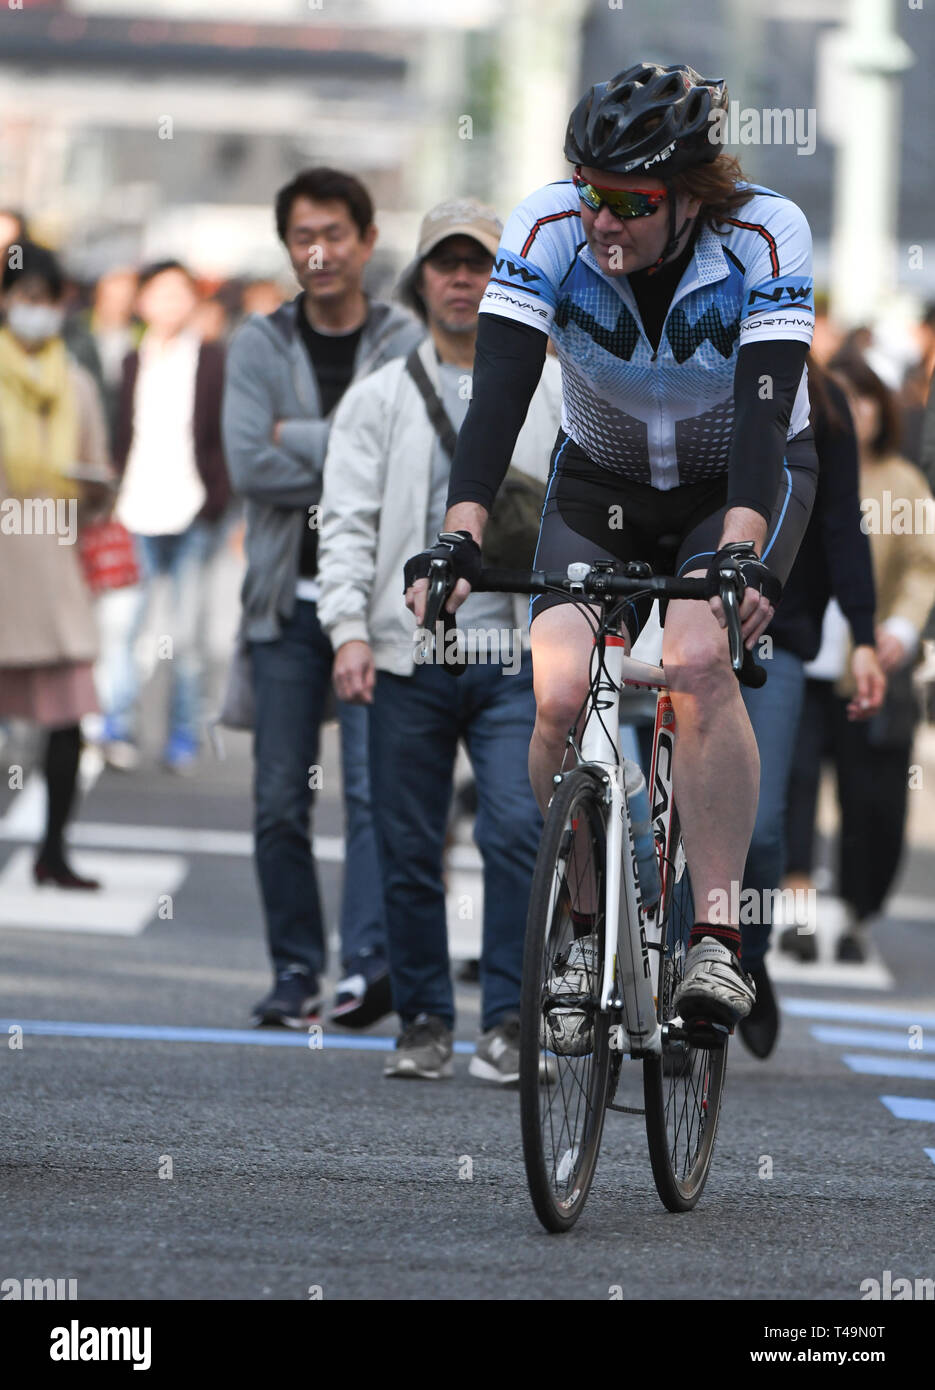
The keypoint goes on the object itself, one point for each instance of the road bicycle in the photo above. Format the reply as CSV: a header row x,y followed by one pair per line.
x,y
601,967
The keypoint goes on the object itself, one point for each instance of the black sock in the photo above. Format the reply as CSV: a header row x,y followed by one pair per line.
x,y
62,754
728,936
583,923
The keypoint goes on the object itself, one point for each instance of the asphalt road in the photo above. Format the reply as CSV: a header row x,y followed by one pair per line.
x,y
180,1167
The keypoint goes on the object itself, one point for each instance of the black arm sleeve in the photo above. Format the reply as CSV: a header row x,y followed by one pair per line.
x,y
760,425
508,360
837,504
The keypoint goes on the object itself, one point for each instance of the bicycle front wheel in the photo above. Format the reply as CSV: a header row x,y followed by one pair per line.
x,y
565,1040
682,1088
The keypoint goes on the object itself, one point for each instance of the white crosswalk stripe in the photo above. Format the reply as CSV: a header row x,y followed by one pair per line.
x,y
135,888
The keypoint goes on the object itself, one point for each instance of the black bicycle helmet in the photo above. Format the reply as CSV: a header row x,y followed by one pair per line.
x,y
649,120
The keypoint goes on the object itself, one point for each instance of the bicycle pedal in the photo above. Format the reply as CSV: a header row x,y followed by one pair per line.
x,y
705,1032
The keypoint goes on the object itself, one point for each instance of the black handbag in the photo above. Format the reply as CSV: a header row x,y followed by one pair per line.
x,y
512,532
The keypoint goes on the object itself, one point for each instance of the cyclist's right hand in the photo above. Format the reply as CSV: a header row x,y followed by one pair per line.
x,y
354,673
461,553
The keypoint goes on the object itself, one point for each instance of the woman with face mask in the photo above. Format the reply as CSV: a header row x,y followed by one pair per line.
x,y
52,433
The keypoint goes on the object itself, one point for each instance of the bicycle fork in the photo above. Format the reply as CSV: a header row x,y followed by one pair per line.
x,y
630,934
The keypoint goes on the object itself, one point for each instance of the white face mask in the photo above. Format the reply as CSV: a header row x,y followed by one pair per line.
x,y
35,323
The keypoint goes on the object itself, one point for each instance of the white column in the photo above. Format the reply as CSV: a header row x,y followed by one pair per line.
x,y
540,44
866,186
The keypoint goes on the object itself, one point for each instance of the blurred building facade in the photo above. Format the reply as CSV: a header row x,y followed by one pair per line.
x,y
139,128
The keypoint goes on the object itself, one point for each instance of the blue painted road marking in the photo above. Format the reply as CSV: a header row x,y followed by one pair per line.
x,y
891,1066
869,1037
909,1108
855,1013
260,1037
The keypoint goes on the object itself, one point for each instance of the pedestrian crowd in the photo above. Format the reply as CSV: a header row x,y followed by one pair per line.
x,y
163,418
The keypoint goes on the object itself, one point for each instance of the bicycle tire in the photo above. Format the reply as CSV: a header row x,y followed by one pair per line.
x,y
560,1163
682,1089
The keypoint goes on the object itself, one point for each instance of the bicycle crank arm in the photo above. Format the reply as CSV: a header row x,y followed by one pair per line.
x,y
701,1032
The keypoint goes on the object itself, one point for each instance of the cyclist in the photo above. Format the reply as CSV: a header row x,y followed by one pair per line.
x,y
679,300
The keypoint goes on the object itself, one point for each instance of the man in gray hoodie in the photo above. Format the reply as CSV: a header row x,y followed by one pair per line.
x,y
285,374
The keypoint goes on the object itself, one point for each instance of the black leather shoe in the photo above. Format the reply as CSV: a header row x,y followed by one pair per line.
x,y
851,947
803,944
760,1028
61,876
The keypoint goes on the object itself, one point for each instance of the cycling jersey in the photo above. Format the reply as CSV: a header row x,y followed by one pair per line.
x,y
661,416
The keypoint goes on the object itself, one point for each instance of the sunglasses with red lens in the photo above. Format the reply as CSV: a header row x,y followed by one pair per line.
x,y
623,203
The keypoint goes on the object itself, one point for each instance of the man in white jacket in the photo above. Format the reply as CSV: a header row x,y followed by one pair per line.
x,y
385,486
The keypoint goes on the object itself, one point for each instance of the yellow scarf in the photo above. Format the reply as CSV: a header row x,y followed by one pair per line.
x,y
38,418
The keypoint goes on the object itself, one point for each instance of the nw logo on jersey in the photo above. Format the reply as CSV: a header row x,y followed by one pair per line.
x,y
686,338
789,293
514,270
619,340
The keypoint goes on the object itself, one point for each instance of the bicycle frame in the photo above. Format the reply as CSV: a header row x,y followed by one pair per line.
x,y
633,936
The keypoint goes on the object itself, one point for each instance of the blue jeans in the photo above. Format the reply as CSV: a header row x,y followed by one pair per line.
x,y
774,713
291,677
415,724
184,558
290,681
363,927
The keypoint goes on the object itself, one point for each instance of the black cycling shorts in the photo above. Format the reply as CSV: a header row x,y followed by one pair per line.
x,y
592,514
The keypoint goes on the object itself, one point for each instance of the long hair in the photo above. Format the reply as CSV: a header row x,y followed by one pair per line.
x,y
853,371
718,186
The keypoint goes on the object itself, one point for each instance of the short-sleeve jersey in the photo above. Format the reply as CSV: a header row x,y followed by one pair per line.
x,y
663,416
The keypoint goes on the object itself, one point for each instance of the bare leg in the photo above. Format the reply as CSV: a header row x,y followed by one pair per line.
x,y
562,643
717,766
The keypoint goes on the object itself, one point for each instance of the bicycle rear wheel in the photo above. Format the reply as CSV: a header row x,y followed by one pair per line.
x,y
682,1088
565,1042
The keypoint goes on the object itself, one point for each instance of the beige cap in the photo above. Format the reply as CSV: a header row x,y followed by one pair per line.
x,y
454,217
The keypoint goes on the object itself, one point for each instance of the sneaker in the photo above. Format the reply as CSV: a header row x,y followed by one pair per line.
x,y
497,1055
760,1029
180,754
117,747
293,1002
423,1049
567,1031
364,995
121,755
714,987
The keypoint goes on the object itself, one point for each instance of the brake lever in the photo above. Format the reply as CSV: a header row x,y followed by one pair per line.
x,y
440,586
747,669
729,597
437,593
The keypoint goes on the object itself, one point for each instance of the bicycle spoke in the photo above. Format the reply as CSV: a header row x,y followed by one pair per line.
x,y
682,1091
568,1111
